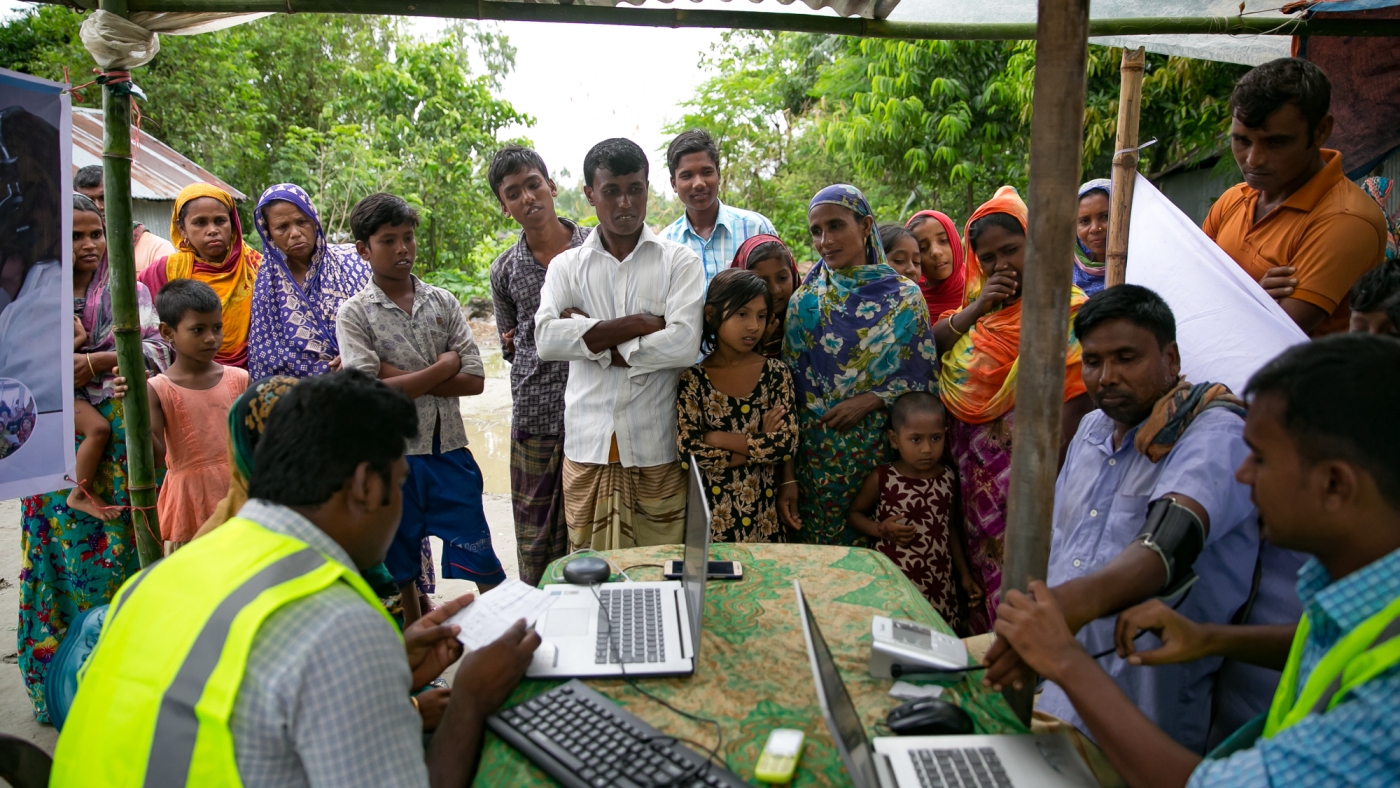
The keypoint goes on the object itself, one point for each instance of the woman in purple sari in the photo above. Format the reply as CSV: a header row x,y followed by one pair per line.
x,y
301,284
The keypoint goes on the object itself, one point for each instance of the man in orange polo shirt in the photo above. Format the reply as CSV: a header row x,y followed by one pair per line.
x,y
1296,224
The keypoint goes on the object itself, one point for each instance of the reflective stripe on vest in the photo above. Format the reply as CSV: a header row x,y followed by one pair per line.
x,y
1370,649
154,704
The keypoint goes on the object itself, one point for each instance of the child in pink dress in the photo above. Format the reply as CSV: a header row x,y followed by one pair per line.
x,y
912,502
189,410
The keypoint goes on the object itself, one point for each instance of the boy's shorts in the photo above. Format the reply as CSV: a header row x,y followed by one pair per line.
x,y
442,498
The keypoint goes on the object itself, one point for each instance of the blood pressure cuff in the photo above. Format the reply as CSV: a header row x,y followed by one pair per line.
x,y
1177,536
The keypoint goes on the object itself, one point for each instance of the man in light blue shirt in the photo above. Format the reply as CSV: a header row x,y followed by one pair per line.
x,y
711,229
1324,466
1152,438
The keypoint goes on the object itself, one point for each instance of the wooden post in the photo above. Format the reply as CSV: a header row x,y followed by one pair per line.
x,y
126,316
1124,166
1057,145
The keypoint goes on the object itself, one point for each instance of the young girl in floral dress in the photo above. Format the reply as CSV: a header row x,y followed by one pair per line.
x,y
736,413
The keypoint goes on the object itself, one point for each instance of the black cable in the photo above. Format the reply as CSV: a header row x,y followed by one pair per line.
x,y
615,646
1142,632
898,670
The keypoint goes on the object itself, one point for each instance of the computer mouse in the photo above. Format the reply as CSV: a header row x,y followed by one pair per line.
x,y
928,717
586,571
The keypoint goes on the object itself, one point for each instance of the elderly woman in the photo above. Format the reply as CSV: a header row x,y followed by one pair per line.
x,y
1091,229
301,284
73,561
857,336
980,345
209,238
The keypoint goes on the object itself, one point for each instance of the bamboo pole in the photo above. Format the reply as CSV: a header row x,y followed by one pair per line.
x,y
126,316
1057,146
760,20
1125,162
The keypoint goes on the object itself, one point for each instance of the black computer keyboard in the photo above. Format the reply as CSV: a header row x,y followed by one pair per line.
x,y
956,767
583,740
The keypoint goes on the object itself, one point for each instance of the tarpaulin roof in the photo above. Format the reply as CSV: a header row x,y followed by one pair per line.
x,y
158,172
1250,50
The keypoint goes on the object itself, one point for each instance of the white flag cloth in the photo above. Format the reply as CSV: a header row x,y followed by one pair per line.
x,y
1226,325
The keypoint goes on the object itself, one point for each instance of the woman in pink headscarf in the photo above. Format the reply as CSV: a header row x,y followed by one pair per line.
x,y
941,258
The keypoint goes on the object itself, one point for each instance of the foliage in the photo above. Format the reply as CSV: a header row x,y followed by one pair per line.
x,y
342,105
921,123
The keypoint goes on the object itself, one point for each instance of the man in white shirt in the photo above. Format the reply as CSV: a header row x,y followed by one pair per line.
x,y
624,309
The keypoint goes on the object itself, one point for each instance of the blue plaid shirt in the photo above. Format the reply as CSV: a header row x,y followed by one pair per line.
x,y
733,226
1357,742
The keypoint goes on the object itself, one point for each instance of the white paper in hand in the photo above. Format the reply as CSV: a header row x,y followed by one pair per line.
x,y
492,613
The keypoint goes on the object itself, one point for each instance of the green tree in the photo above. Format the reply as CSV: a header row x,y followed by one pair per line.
x,y
343,105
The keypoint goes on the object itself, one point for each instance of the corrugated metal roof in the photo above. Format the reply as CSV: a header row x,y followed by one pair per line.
x,y
158,172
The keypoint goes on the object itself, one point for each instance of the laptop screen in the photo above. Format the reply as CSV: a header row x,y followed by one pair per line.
x,y
841,715
697,550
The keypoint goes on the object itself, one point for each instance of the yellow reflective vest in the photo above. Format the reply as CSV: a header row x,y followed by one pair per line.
x,y
1364,653
155,697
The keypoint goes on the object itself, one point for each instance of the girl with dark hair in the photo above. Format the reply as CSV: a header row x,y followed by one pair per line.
x,y
901,251
980,345
769,258
735,411
940,260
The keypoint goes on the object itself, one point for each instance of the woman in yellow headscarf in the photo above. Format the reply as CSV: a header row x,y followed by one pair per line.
x,y
209,241
980,347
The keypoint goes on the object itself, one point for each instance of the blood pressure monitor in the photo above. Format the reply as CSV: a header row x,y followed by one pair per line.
x,y
916,648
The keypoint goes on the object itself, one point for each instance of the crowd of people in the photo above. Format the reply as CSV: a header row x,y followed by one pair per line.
x,y
869,403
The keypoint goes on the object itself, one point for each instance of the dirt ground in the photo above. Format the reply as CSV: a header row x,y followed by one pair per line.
x,y
487,418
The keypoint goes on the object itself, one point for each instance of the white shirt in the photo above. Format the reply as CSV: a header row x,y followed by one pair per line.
x,y
636,403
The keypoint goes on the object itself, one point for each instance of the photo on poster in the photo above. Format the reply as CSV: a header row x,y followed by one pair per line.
x,y
36,300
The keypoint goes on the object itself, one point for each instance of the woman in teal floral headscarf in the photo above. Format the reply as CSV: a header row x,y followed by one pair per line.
x,y
857,336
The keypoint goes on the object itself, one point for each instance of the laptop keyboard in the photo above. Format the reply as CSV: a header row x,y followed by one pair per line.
x,y
962,767
584,740
636,612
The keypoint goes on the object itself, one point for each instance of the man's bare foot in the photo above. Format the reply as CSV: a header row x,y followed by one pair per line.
x,y
83,501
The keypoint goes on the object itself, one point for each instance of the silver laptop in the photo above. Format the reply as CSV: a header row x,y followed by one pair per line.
x,y
1041,761
631,629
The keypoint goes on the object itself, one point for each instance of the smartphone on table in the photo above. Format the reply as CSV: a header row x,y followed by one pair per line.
x,y
715,570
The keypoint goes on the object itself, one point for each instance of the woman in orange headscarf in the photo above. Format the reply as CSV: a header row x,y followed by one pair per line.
x,y
208,237
979,344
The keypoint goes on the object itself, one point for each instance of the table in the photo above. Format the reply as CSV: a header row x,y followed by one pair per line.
x,y
754,674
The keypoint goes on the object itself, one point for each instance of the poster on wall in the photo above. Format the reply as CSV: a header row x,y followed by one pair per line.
x,y
36,296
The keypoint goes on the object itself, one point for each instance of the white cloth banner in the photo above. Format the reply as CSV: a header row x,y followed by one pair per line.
x,y
36,290
1226,325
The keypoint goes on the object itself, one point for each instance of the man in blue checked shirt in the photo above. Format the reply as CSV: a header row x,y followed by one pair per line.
x,y
1324,469
711,229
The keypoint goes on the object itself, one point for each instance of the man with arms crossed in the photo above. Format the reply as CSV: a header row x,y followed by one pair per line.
x,y
624,310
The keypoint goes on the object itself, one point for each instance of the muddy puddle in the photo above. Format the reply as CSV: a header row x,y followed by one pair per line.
x,y
487,419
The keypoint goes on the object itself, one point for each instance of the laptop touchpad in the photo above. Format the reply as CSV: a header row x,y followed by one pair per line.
x,y
564,624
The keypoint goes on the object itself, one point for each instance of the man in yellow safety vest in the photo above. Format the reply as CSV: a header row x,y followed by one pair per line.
x,y
1324,434
257,654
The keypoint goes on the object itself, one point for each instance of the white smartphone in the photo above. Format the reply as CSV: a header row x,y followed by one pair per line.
x,y
716,570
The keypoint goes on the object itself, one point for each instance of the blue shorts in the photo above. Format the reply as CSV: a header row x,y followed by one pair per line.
x,y
442,498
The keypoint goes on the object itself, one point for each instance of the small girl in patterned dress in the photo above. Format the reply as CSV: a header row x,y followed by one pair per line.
x,y
912,502
735,411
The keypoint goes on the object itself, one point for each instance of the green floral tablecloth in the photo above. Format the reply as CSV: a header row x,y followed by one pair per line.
x,y
754,674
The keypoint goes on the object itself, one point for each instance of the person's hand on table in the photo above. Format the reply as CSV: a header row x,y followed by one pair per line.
x,y
432,646
848,413
1278,282
1183,640
488,675
1033,626
431,705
